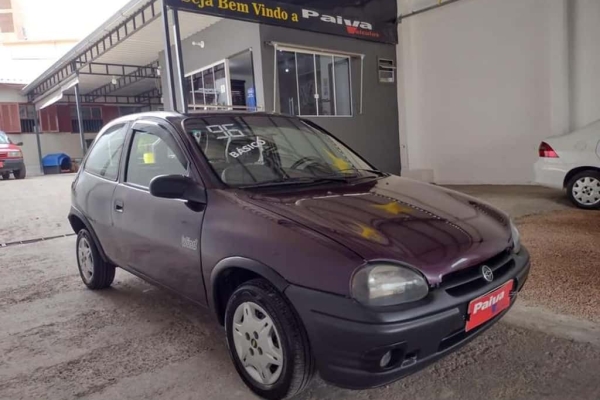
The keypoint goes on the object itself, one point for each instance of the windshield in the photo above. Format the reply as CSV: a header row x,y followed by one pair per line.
x,y
4,138
264,150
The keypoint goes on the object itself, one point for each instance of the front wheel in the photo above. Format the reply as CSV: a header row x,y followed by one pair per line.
x,y
267,341
20,174
94,271
6,176
584,190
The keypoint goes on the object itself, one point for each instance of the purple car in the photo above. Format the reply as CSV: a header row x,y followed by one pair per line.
x,y
311,258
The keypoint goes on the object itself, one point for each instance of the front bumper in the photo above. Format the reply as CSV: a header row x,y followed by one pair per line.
x,y
11,164
348,340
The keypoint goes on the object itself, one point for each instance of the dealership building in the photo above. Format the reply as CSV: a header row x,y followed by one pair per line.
x,y
453,91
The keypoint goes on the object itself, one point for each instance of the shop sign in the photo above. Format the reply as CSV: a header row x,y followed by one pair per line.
x,y
369,20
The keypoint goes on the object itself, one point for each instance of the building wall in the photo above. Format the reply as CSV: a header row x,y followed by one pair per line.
x,y
218,45
11,94
373,134
67,143
483,82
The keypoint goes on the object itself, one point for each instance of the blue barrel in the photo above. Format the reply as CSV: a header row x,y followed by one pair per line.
x,y
56,163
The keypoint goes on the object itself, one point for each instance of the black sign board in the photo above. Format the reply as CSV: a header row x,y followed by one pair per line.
x,y
361,19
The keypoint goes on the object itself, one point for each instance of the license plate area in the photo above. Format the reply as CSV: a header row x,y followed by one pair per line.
x,y
486,307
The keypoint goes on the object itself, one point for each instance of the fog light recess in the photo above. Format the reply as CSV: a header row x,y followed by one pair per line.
x,y
386,360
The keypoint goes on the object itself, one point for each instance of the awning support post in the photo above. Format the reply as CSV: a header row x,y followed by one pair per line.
x,y
170,92
179,58
37,129
79,119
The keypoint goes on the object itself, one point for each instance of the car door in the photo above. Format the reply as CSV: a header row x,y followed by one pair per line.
x,y
160,238
94,186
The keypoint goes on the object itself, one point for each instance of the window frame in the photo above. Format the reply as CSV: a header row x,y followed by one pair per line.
x,y
189,78
126,126
315,53
154,128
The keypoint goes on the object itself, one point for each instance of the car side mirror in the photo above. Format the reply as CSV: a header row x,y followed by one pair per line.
x,y
19,144
177,187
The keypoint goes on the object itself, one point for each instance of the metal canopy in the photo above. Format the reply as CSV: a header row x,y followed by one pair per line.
x,y
119,61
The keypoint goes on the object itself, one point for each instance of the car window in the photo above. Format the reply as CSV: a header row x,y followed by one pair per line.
x,y
153,154
103,159
4,139
251,150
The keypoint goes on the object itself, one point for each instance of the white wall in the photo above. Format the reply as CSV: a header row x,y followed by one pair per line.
x,y
11,94
482,82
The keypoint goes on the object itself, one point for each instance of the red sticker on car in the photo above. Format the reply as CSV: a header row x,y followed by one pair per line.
x,y
486,307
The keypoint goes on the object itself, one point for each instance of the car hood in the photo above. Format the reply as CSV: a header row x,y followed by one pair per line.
x,y
437,231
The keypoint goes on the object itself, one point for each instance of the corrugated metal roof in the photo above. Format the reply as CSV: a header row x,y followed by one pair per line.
x,y
141,48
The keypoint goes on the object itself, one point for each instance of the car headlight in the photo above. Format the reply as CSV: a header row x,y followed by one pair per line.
x,y
16,153
383,284
516,237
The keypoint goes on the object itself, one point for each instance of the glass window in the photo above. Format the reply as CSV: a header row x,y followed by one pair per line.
x,y
209,87
288,84
306,84
221,92
343,98
5,5
254,150
152,156
314,84
103,159
198,88
27,111
325,87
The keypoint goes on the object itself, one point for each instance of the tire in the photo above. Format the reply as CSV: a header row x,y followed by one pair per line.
x,y
20,174
286,340
96,273
584,190
6,176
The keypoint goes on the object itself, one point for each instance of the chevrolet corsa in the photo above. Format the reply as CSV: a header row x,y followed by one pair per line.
x,y
312,259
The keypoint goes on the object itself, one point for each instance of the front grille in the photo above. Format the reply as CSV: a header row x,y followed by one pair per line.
x,y
468,280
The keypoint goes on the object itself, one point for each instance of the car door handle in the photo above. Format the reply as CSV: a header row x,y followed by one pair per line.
x,y
119,206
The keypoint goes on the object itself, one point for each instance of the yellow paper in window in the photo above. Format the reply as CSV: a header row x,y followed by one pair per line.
x,y
148,158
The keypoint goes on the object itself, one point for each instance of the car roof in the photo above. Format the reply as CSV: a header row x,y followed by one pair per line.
x,y
176,116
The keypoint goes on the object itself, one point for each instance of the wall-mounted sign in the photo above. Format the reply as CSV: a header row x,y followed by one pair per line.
x,y
373,20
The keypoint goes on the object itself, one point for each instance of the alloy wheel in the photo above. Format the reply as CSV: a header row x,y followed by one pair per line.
x,y
257,343
86,259
586,191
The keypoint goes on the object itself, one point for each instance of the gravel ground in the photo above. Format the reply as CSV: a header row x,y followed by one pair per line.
x,y
59,340
565,252
38,207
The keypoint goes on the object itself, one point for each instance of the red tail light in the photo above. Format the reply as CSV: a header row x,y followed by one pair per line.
x,y
546,151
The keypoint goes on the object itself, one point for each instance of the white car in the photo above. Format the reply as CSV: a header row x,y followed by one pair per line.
x,y
572,162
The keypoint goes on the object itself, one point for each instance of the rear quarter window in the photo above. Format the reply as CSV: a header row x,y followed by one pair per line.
x,y
104,156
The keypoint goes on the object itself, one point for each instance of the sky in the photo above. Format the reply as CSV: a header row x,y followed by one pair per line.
x,y
50,21
65,19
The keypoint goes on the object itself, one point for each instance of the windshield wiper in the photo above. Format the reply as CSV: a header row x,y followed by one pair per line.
x,y
299,181
372,171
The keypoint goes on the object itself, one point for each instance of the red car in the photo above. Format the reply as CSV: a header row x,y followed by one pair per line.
x,y
11,158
